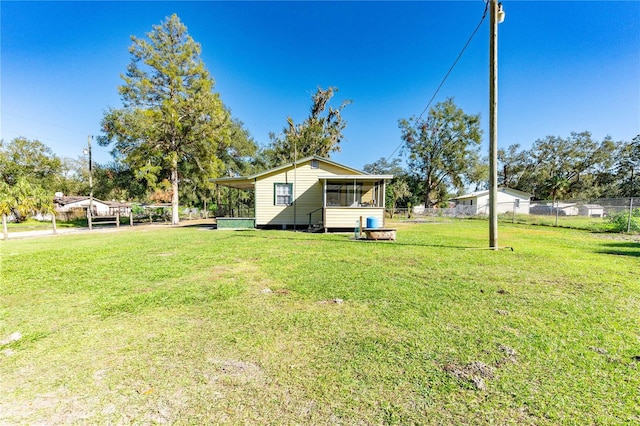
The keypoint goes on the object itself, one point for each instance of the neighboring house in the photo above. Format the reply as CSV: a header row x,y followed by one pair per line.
x,y
420,209
477,203
563,209
312,192
68,204
591,210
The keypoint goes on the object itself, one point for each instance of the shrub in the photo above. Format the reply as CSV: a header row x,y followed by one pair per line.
x,y
620,221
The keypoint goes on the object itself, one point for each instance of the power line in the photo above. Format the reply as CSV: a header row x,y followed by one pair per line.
x,y
44,122
484,15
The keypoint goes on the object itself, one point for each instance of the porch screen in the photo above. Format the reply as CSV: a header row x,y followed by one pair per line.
x,y
344,195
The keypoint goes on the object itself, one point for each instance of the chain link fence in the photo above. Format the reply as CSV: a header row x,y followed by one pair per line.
x,y
602,215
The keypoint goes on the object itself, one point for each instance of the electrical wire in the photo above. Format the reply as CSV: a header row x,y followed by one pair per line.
x,y
43,122
484,15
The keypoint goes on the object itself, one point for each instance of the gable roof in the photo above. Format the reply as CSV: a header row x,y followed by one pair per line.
x,y
246,182
503,189
64,201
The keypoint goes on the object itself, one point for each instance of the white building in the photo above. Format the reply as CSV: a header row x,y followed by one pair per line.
x,y
67,204
591,210
477,203
550,209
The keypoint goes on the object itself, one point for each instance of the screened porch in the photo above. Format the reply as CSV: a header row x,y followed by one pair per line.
x,y
348,198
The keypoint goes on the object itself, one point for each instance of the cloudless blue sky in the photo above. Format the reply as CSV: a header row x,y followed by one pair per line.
x,y
563,66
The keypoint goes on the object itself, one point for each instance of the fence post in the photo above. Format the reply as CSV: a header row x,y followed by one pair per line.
x,y
630,213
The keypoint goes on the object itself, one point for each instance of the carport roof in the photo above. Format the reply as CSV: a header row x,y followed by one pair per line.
x,y
239,182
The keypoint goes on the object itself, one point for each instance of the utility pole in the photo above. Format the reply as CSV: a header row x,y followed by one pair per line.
x,y
295,184
496,16
630,204
87,151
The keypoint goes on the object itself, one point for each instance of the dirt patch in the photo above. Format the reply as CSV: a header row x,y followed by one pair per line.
x,y
510,352
474,373
61,408
14,337
598,350
620,237
477,372
509,355
235,371
278,291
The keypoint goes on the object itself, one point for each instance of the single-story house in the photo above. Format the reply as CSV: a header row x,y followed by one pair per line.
x,y
550,208
591,210
66,204
477,203
72,207
313,192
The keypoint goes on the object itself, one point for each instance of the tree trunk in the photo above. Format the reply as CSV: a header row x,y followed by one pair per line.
x,y
5,231
53,223
427,193
218,200
175,214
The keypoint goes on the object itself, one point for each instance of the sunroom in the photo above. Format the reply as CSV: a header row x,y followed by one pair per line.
x,y
349,198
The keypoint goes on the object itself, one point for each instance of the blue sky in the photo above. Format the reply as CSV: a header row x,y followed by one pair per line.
x,y
563,66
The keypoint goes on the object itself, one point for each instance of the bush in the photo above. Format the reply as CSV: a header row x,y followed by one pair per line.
x,y
137,209
620,221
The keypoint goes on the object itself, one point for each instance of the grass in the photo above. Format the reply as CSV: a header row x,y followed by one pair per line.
x,y
33,224
192,326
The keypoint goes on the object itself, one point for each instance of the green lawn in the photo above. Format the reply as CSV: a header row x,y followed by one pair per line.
x,y
156,325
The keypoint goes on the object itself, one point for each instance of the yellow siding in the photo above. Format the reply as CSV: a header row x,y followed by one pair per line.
x,y
307,190
345,217
367,196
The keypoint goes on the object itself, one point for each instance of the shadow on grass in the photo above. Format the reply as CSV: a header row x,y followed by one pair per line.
x,y
627,248
199,225
341,238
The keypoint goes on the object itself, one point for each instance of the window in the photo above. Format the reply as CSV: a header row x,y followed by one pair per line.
x,y
282,194
315,164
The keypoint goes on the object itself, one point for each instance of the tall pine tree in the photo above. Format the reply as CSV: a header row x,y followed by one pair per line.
x,y
170,114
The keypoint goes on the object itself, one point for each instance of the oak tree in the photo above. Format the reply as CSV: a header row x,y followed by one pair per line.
x,y
442,148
